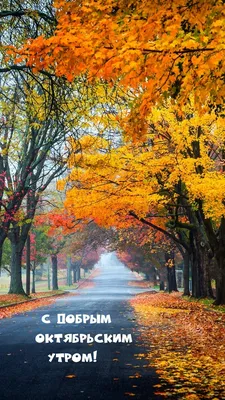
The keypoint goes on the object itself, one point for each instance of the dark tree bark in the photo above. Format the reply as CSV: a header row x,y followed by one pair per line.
x,y
3,236
54,272
220,258
33,281
171,278
16,286
220,281
186,273
200,260
49,278
28,266
74,274
171,273
69,277
154,277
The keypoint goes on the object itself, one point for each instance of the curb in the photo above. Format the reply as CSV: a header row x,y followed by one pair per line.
x,y
83,281
28,301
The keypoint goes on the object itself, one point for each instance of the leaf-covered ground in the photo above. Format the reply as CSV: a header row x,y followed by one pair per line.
x,y
9,308
186,343
141,284
7,299
8,311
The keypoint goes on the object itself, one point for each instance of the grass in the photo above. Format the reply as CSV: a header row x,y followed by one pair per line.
x,y
207,302
69,287
40,285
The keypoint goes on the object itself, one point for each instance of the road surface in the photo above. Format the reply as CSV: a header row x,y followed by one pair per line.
x,y
27,374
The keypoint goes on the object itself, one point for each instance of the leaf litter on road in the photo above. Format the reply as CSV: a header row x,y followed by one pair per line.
x,y
186,345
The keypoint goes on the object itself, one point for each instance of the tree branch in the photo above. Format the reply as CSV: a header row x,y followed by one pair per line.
x,y
158,228
29,13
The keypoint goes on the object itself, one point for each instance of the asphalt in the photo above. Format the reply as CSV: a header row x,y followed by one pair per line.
x,y
119,372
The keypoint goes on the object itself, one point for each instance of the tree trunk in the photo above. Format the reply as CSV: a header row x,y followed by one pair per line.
x,y
154,274
197,274
69,280
206,260
54,272
171,278
28,266
16,286
74,274
186,258
33,281
1,250
217,243
220,258
171,273
2,240
200,266
49,277
220,281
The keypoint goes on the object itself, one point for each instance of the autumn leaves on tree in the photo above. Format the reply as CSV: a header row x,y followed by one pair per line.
x,y
149,145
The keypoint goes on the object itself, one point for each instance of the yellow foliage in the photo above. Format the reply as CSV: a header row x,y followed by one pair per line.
x,y
108,181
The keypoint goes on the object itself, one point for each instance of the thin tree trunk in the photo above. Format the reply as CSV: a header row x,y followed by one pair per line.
x,y
2,240
49,277
54,272
1,250
33,281
154,277
28,266
69,280
174,280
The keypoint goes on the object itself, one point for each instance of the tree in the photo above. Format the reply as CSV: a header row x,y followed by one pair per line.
x,y
78,241
32,156
158,49
36,115
6,256
165,55
170,177
148,251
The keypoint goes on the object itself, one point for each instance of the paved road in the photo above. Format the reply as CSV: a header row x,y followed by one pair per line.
x,y
27,374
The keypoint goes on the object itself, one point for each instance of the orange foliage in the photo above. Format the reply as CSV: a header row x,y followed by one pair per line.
x,y
57,221
151,46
